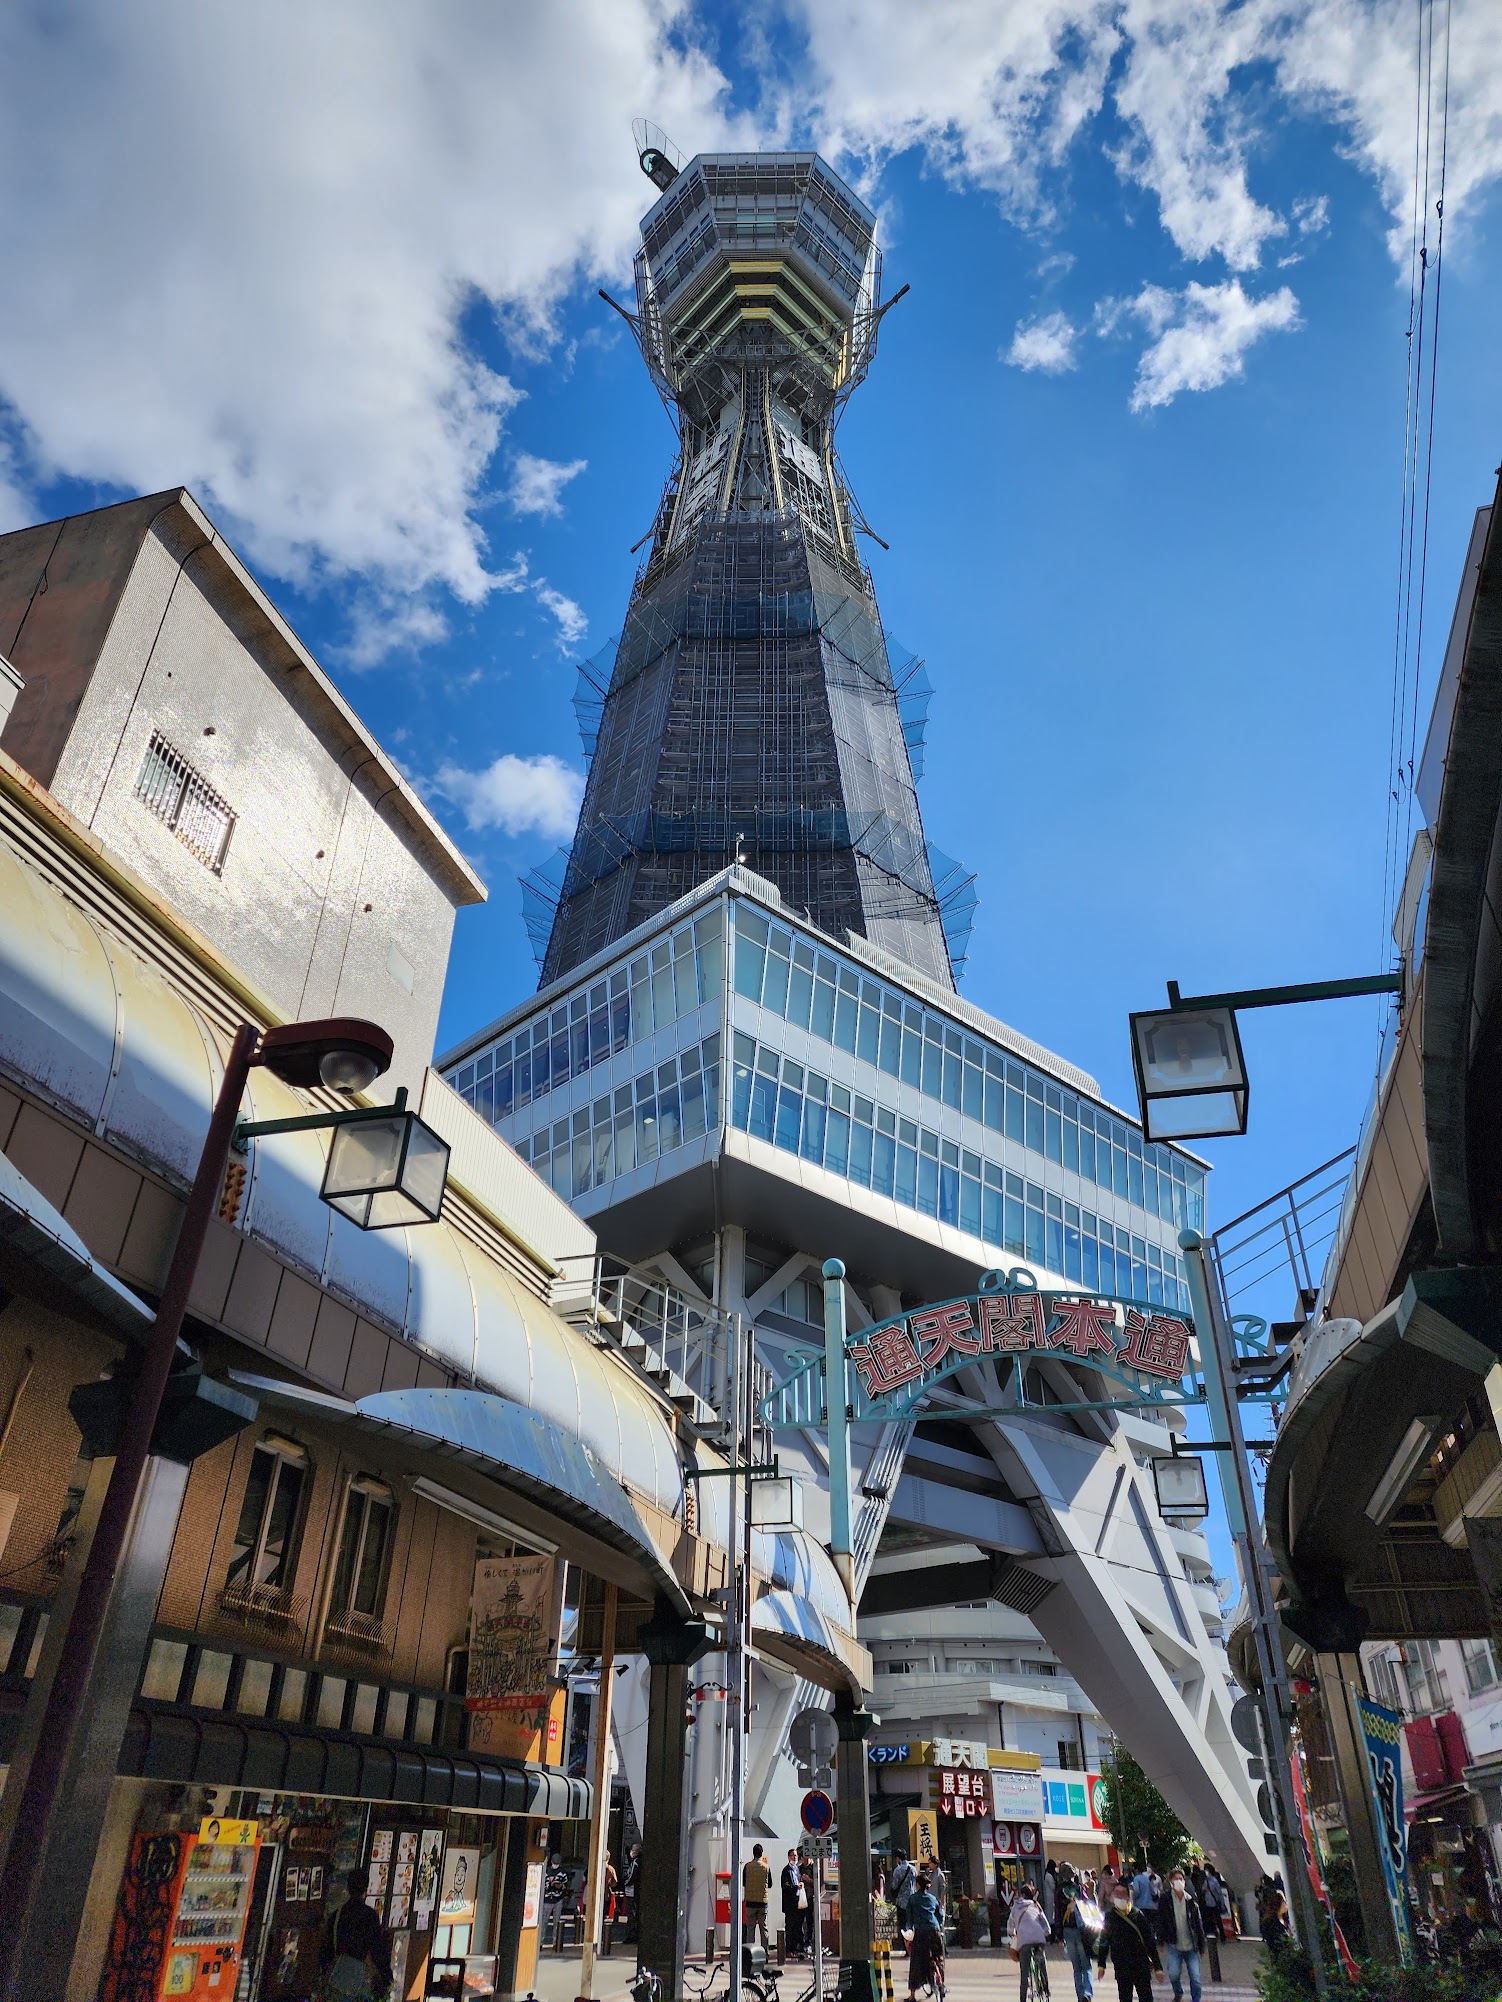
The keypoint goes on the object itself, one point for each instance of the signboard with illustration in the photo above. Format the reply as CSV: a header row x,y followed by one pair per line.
x,y
922,1837
513,1650
1382,1732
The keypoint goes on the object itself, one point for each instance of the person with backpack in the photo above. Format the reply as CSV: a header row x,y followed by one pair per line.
x,y
1082,1923
901,1885
1127,1942
356,1953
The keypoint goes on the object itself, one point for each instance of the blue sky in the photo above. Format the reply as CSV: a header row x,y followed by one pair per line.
x,y
1135,437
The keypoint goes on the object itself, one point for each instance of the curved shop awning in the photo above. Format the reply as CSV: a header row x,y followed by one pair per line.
x,y
163,1742
500,1439
791,1629
42,1258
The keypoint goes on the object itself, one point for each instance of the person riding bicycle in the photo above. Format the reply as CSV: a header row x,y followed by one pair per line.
x,y
925,1965
1028,1933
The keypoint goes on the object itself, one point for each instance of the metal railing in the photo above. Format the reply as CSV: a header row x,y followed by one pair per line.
x,y
1286,1236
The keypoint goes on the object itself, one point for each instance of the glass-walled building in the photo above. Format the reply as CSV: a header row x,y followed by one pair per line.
x,y
729,1029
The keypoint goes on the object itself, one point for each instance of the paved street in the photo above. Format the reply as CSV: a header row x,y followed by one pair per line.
x,y
977,1976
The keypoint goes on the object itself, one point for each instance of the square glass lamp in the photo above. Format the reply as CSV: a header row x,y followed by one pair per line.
x,y
1180,1485
1191,1075
386,1170
776,1504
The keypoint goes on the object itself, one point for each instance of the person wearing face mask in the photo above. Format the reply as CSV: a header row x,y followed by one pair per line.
x,y
1127,1943
1181,1931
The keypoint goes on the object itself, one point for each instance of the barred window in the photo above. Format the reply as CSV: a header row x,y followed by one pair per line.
x,y
168,786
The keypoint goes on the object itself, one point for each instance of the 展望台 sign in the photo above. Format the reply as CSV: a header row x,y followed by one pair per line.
x,y
963,1793
1009,1315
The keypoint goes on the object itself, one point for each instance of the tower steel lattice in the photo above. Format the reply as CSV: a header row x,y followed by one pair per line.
x,y
751,708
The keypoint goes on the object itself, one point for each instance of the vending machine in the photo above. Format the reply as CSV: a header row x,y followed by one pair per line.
x,y
181,1918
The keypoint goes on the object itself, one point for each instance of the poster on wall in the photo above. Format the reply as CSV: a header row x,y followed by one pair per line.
x,y
456,1903
515,1609
1016,1793
425,1885
1381,1732
532,1898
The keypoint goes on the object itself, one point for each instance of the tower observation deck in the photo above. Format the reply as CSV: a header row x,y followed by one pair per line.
x,y
752,708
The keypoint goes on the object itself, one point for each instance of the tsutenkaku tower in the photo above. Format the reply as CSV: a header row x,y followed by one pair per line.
x,y
752,708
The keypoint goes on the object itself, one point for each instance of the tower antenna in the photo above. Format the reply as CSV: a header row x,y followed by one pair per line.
x,y
657,156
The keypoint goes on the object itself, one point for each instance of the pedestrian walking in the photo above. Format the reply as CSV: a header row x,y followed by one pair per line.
x,y
938,1884
756,1885
1081,1927
925,1961
1027,1940
1127,1942
904,1882
610,1906
554,1896
1144,1890
1049,1899
1181,1932
1272,1915
791,1886
631,1896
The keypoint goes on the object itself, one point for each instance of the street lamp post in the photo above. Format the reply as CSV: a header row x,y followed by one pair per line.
x,y
1217,1360
347,1054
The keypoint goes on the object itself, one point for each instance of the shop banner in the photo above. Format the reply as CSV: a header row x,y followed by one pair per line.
x,y
1313,1865
1016,1794
513,1649
961,1792
1382,1733
922,1837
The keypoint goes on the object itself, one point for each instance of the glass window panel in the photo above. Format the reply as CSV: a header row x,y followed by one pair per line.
x,y
1035,1244
928,1185
844,1023
750,963
1053,1137
912,1055
1108,1267
907,1176
646,1121
1090,1261
990,1219
740,1082
800,996
822,1020
949,1193
693,1104
812,1146
890,1053
625,1133
669,1115
1087,1154
952,1069
933,1068
1119,1170
789,1118
837,1143
1053,1238
994,1103
971,1096
775,993
664,1007
711,962
1015,1117
883,1163
867,1034
970,1205
1034,1127
522,1073
1134,1180
860,1155
1015,1235
763,1106
1072,1266
1071,1144
560,1052
839,1097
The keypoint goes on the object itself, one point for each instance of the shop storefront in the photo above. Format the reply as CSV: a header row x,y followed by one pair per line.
x,y
230,1893
1016,1818
1074,1827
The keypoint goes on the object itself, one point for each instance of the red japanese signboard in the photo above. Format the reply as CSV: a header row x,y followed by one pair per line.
x,y
1010,1316
963,1793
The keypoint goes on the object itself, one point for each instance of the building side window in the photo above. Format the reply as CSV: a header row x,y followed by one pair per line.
x,y
1481,1670
1426,1684
265,1551
182,799
364,1544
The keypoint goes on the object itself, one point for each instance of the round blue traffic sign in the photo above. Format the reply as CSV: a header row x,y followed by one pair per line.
x,y
817,1813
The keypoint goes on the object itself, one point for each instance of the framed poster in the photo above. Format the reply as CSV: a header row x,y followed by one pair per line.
x,y
406,1846
532,1901
380,1846
456,1903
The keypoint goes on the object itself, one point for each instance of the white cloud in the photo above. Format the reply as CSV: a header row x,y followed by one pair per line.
x,y
1201,335
538,795
572,624
537,484
380,627
1046,344
239,244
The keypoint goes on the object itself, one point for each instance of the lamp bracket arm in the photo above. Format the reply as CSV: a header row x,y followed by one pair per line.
x,y
1280,997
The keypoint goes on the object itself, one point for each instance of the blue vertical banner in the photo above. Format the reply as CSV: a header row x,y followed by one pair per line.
x,y
1382,1733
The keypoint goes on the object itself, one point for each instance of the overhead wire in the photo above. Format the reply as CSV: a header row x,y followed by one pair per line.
x,y
1417,479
